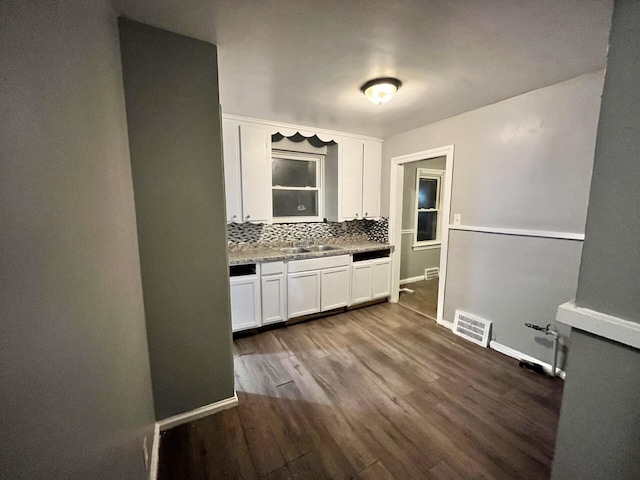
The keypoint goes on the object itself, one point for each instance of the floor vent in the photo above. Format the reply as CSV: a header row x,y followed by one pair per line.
x,y
431,273
474,329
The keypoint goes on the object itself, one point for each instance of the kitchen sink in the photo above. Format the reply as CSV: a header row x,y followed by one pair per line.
x,y
322,248
290,250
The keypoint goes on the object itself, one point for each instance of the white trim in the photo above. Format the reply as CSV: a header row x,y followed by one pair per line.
x,y
411,279
510,352
167,423
298,128
446,324
520,232
430,246
601,324
395,217
407,231
155,451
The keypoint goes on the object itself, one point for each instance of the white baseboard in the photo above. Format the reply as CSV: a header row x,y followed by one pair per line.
x,y
170,422
412,279
446,324
510,352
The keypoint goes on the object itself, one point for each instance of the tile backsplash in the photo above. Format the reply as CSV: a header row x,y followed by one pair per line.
x,y
285,234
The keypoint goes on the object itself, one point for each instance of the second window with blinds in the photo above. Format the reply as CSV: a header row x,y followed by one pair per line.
x,y
427,213
296,187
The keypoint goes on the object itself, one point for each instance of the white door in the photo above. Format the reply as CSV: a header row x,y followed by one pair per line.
x,y
371,179
231,154
360,282
381,278
245,303
351,178
273,299
255,160
303,293
335,288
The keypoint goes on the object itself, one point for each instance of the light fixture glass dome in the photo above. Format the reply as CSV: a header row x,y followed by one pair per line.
x,y
381,90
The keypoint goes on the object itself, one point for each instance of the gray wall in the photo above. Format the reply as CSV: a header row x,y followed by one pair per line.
x,y
74,370
413,263
171,92
609,275
512,281
524,163
599,429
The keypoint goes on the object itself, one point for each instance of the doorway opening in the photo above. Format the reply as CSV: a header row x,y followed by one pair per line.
x,y
420,201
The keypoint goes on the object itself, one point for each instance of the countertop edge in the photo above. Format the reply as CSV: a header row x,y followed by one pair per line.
x,y
277,255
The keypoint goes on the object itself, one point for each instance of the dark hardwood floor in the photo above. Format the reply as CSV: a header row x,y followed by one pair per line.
x,y
424,298
375,393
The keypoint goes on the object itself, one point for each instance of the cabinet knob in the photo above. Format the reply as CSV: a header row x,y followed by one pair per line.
x,y
366,214
248,217
233,217
356,214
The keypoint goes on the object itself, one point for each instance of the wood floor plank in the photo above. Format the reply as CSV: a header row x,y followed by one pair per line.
x,y
377,471
377,392
306,467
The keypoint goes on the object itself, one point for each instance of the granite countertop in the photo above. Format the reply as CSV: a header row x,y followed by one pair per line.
x,y
271,254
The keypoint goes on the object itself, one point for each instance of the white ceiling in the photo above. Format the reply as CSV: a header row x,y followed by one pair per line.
x,y
303,61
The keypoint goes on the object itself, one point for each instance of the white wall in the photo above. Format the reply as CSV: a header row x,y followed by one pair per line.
x,y
523,163
74,368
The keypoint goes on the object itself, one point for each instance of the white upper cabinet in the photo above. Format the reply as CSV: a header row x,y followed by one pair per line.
x,y
352,171
350,160
255,167
231,152
371,179
247,172
360,177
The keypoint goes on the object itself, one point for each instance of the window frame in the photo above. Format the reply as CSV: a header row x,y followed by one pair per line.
x,y
306,157
431,174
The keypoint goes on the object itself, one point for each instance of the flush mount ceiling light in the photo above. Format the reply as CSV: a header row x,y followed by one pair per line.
x,y
381,90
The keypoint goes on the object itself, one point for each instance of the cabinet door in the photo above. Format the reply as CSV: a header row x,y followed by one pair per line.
x,y
255,161
231,153
371,180
245,303
381,278
335,288
273,299
360,282
351,178
303,293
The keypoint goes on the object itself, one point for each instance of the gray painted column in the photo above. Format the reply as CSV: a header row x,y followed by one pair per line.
x,y
599,430
171,94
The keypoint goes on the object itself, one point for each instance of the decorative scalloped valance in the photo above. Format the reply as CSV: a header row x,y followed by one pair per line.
x,y
297,136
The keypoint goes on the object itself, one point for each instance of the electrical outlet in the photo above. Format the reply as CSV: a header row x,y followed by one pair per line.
x,y
145,453
457,219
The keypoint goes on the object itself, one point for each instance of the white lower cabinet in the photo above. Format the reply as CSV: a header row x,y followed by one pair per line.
x,y
360,282
245,302
334,290
381,278
274,292
303,293
370,280
317,284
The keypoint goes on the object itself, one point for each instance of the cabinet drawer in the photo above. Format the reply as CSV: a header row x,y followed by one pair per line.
x,y
318,263
272,268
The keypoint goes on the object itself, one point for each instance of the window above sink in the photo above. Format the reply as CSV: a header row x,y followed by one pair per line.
x,y
296,187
